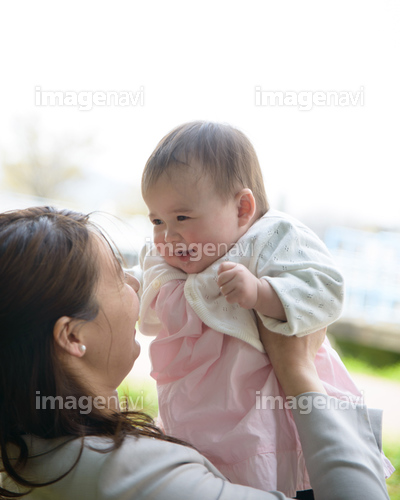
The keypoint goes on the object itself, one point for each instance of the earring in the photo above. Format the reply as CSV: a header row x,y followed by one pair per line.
x,y
82,348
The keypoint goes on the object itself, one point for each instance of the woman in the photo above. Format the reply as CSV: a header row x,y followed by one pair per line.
x,y
67,339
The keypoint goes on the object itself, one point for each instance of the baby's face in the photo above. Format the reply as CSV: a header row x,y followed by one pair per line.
x,y
193,226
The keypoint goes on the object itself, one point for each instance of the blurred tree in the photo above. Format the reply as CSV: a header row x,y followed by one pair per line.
x,y
41,171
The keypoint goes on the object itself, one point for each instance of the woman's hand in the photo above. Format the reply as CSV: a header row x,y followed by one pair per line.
x,y
293,360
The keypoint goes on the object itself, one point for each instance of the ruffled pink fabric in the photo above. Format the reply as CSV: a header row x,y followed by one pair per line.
x,y
210,389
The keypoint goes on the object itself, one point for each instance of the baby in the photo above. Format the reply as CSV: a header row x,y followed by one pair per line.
x,y
221,257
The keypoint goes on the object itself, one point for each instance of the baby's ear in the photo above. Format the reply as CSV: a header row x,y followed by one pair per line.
x,y
246,204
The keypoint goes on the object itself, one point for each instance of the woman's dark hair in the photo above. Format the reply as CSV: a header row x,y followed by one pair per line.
x,y
48,269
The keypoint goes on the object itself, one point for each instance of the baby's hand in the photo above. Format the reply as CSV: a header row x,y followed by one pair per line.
x,y
238,284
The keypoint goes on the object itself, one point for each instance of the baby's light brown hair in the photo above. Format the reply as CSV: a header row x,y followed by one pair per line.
x,y
225,154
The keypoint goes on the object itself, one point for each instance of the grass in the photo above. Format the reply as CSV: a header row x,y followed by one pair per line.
x,y
140,396
386,365
356,365
368,360
392,451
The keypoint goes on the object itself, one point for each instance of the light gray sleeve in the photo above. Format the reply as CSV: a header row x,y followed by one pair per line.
x,y
341,448
151,469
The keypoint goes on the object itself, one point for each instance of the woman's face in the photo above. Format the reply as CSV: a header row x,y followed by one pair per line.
x,y
111,348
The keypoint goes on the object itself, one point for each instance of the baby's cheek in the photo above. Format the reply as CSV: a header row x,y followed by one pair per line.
x,y
157,236
164,250
159,242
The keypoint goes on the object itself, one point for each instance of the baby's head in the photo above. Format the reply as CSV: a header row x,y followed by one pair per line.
x,y
204,188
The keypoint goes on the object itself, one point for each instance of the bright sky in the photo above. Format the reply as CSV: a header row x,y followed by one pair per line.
x,y
204,60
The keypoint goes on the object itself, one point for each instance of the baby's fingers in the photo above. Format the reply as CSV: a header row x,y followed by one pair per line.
x,y
227,289
226,266
226,273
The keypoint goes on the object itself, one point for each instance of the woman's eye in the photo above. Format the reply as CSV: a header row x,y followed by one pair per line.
x,y
182,217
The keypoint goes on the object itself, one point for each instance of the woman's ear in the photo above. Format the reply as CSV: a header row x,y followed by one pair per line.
x,y
246,204
64,333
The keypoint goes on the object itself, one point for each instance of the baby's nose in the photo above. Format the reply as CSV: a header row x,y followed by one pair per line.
x,y
171,236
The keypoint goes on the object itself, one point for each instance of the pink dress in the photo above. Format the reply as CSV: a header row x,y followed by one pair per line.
x,y
210,389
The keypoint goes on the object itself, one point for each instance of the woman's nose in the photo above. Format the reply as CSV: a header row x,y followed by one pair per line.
x,y
135,285
132,281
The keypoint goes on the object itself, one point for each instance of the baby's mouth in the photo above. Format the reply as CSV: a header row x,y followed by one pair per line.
x,y
186,254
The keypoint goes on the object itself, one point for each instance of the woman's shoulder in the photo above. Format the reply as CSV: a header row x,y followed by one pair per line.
x,y
147,467
137,468
140,468
139,450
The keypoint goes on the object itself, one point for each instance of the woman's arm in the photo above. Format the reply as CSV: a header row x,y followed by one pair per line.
x,y
339,446
293,360
342,455
340,449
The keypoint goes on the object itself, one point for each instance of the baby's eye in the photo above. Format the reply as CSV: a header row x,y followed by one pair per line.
x,y
156,222
182,217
